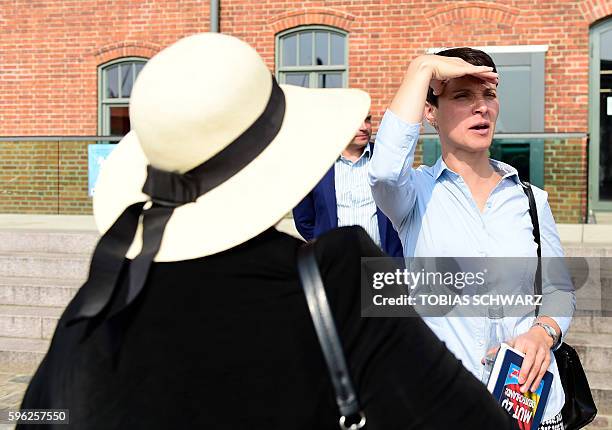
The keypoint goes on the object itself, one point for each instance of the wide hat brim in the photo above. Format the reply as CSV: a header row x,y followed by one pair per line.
x,y
318,124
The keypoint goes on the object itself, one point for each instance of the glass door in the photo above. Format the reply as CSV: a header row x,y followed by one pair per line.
x,y
600,118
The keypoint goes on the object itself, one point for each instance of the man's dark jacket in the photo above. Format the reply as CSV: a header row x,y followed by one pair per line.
x,y
317,213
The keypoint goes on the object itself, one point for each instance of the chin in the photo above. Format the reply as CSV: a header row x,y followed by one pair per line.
x,y
474,145
484,145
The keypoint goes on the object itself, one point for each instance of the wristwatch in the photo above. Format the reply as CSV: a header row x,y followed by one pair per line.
x,y
550,331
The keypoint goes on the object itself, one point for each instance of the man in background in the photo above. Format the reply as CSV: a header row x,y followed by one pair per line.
x,y
343,197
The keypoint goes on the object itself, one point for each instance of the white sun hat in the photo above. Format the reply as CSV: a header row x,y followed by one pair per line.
x,y
193,101
218,153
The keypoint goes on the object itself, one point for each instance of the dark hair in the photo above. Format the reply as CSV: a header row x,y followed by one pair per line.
x,y
472,56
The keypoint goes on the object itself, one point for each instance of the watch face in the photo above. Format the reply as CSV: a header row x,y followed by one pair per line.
x,y
552,333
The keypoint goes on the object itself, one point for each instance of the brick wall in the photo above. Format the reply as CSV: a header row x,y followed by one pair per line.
x,y
565,178
50,52
384,36
44,177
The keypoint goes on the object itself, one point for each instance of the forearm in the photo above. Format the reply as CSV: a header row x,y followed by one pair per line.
x,y
559,296
409,101
390,172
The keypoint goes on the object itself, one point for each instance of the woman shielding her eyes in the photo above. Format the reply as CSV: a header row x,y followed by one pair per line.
x,y
467,205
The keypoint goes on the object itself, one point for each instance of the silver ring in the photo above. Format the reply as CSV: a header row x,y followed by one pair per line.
x,y
356,426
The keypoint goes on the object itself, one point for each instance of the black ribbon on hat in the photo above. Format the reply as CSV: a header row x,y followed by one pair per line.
x,y
167,191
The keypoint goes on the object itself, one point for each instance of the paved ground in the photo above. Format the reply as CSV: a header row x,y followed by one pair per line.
x,y
594,234
13,383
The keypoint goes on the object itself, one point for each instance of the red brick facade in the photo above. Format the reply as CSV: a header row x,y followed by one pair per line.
x,y
47,177
50,52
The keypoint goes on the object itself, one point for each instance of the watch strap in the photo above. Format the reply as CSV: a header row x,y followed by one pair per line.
x,y
550,331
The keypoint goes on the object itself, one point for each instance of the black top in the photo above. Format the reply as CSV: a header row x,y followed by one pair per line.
x,y
226,342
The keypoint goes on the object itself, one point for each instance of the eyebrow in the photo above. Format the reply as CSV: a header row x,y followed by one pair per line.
x,y
467,90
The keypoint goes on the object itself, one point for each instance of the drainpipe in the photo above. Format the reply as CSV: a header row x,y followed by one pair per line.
x,y
214,16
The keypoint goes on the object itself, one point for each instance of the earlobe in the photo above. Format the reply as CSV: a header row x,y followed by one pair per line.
x,y
429,113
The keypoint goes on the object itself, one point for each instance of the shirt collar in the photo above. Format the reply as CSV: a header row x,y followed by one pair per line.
x,y
505,170
439,168
367,153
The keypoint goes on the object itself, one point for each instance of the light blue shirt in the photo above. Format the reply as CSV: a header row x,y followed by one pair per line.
x,y
354,199
433,210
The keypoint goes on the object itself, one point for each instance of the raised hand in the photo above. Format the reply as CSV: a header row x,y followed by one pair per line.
x,y
434,71
445,68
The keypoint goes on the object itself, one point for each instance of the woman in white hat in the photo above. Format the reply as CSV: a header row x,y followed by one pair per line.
x,y
205,324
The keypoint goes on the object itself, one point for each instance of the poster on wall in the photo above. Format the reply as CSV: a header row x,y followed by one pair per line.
x,y
96,155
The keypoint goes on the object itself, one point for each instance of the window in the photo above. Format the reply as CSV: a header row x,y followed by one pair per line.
x,y
116,80
521,87
600,121
313,57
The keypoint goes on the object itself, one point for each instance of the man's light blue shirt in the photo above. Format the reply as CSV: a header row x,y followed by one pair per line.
x,y
354,200
433,210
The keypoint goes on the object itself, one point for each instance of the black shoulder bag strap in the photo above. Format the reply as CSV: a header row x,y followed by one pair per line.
x,y
533,212
346,398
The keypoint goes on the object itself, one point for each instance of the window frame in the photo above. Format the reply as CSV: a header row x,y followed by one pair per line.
x,y
104,103
313,70
595,203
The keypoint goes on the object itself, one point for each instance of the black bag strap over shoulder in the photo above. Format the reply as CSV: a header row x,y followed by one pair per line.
x,y
346,398
533,212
